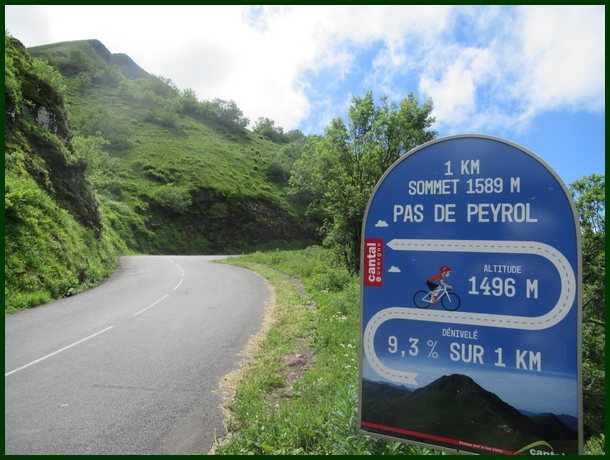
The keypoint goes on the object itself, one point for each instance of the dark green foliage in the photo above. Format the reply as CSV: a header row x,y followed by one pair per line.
x,y
229,114
47,253
340,170
189,102
266,128
172,199
590,199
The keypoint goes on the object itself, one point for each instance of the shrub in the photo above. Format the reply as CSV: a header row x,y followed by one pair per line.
x,y
172,198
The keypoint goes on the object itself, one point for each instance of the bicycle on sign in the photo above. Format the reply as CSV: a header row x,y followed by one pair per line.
x,y
449,300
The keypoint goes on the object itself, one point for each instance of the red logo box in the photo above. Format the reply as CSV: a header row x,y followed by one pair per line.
x,y
373,262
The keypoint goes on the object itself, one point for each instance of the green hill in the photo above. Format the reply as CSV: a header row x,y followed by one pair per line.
x,y
102,159
455,407
72,58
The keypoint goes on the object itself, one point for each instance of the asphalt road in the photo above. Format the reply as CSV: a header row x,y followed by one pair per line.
x,y
130,367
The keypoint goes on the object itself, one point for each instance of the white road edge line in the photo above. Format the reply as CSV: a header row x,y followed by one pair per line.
x,y
177,285
55,352
151,305
181,272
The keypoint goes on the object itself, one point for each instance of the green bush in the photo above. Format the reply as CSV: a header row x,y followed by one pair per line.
x,y
172,198
48,254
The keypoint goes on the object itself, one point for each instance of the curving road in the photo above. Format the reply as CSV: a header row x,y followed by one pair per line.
x,y
130,367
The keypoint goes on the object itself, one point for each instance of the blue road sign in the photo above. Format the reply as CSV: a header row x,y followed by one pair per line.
x,y
470,297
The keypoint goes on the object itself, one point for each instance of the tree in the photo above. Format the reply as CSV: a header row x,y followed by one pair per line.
x,y
295,135
589,197
229,114
189,101
49,75
90,152
162,86
266,127
341,169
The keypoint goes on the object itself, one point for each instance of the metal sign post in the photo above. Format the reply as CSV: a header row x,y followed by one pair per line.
x,y
470,302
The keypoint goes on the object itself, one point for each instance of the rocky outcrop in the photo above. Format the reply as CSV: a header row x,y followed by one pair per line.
x,y
48,120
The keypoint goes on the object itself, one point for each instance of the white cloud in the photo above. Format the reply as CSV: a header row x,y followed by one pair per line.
x,y
484,67
394,269
515,64
381,223
564,57
455,92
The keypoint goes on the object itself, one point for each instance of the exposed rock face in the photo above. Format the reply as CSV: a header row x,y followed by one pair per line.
x,y
43,118
49,121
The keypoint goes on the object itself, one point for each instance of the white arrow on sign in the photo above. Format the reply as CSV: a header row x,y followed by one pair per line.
x,y
561,309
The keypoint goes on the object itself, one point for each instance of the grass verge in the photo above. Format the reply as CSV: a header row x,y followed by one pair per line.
x,y
297,393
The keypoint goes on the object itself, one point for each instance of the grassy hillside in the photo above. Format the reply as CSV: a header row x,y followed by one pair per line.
x,y
126,162
57,240
75,57
199,181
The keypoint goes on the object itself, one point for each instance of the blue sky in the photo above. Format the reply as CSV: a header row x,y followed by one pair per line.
x,y
534,75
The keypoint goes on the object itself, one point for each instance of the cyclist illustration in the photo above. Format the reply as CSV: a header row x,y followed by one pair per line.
x,y
435,288
438,291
